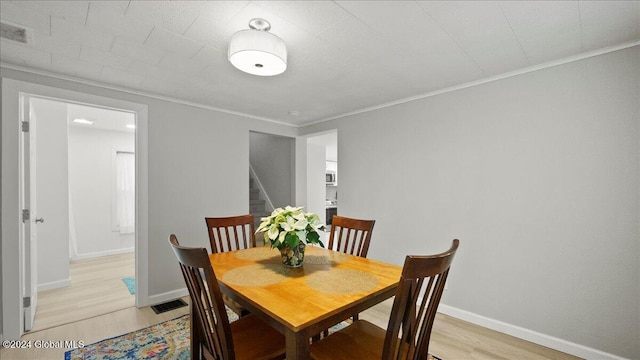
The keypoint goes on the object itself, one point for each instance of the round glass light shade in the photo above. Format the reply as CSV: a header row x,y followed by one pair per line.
x,y
258,52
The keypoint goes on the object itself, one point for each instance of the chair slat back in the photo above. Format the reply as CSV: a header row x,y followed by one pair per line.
x,y
206,301
351,236
231,233
415,305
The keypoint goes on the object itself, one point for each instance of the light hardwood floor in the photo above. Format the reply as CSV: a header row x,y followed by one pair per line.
x,y
96,289
451,338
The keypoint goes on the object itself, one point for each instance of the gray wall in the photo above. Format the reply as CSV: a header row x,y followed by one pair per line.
x,y
272,159
190,172
539,177
537,174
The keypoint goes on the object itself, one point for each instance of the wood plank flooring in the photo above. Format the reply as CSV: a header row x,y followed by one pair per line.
x,y
451,338
96,289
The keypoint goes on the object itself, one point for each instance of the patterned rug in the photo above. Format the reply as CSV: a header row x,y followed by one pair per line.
x,y
168,340
130,283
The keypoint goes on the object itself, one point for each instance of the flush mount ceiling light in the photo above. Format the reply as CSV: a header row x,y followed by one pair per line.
x,y
83,121
257,51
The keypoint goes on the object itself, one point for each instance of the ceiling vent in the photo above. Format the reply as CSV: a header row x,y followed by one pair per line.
x,y
16,33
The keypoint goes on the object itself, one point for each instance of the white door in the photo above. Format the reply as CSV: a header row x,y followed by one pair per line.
x,y
29,219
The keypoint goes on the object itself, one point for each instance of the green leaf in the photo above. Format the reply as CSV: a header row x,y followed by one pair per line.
x,y
314,238
291,240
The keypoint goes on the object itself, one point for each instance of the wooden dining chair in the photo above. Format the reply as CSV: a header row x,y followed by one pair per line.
x,y
350,236
231,233
412,315
212,336
227,234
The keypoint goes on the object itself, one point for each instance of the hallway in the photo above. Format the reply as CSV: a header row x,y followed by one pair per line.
x,y
96,289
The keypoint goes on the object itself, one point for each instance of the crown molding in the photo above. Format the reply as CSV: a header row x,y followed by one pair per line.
x,y
526,70
135,92
506,75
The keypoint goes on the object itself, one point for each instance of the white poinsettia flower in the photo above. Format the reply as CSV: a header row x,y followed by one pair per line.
x,y
292,221
289,225
279,219
273,232
314,222
299,216
313,217
301,224
260,228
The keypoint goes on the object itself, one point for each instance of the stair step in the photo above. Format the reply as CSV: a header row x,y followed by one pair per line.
x,y
254,194
260,214
257,221
257,208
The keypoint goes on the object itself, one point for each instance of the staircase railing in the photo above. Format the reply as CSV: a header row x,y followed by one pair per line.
x,y
267,200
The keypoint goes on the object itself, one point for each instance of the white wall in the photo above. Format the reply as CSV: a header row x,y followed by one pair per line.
x,y
91,177
316,180
52,193
538,175
272,160
301,172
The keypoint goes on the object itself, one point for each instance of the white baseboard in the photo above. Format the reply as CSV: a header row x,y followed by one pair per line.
x,y
529,335
102,253
168,296
54,284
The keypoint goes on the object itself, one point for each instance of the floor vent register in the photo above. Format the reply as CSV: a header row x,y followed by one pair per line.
x,y
168,306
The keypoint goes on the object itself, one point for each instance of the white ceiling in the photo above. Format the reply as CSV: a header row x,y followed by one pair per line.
x,y
344,56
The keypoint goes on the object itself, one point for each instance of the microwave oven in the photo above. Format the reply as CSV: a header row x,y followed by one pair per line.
x,y
330,178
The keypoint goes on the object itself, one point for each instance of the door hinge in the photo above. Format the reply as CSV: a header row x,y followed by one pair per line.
x,y
26,215
25,126
26,302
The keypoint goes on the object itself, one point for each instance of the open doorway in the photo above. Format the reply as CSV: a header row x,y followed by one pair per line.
x,y
322,157
271,173
85,186
14,253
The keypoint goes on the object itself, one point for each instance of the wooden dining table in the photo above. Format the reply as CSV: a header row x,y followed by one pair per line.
x,y
300,302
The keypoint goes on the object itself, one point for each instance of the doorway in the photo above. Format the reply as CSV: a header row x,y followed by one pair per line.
x,y
271,164
322,157
85,186
13,251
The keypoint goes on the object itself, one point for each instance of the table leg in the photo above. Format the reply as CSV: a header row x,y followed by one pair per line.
x,y
297,345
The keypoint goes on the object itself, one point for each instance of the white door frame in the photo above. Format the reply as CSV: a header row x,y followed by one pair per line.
x,y
12,321
28,230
